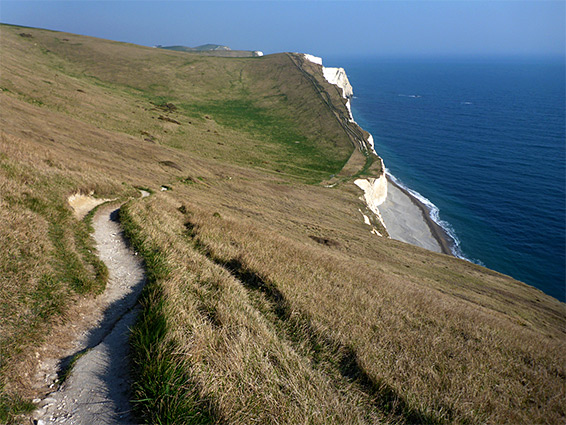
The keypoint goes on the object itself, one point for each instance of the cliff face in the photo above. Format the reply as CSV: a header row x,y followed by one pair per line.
x,y
375,192
338,77
313,59
375,188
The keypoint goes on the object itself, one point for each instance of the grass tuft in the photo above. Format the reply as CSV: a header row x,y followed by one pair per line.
x,y
12,406
65,372
162,390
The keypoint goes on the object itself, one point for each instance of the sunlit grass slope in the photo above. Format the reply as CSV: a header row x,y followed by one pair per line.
x,y
261,104
269,300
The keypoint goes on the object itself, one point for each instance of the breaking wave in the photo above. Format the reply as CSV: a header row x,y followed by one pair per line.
x,y
434,214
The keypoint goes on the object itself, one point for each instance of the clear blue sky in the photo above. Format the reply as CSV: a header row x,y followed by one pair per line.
x,y
379,28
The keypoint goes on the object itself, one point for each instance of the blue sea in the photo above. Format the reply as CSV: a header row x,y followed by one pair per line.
x,y
484,141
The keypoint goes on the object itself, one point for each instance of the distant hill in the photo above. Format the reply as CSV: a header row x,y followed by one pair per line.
x,y
214,50
203,48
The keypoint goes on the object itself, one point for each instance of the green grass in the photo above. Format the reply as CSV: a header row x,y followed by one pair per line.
x,y
370,159
11,406
242,95
296,154
70,257
72,247
162,389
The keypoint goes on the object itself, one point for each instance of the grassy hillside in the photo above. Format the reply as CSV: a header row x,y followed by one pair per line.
x,y
269,300
213,50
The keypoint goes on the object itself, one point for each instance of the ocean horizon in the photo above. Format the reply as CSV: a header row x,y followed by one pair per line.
x,y
481,141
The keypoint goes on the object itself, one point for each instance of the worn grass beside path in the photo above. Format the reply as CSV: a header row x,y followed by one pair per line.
x,y
48,257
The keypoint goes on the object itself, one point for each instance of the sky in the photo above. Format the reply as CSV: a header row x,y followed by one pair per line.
x,y
386,28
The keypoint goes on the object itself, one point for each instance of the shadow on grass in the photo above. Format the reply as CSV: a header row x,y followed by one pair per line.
x,y
163,389
299,329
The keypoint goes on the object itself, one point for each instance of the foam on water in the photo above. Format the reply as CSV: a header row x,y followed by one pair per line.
x,y
434,214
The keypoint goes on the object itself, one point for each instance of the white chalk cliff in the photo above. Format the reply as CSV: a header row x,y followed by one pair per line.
x,y
313,59
338,77
375,189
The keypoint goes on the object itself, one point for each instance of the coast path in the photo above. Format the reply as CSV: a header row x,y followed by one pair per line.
x,y
97,389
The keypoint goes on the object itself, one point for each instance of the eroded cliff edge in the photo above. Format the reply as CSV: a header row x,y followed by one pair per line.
x,y
364,167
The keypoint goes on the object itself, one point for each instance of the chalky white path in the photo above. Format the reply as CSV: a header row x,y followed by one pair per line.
x,y
97,391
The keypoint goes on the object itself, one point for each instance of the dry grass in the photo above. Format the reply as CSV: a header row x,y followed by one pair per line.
x,y
412,353
448,358
270,301
47,260
234,356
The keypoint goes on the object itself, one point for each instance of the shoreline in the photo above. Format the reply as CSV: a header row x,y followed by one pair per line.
x,y
439,239
438,233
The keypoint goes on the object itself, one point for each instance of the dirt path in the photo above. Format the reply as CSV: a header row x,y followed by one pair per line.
x,y
97,390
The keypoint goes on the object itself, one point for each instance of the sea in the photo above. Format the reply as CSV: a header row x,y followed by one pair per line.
x,y
483,142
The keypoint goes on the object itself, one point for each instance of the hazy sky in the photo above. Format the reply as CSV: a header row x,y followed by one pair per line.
x,y
381,28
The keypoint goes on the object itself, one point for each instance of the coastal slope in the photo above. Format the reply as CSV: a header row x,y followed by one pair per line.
x,y
401,216
270,298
